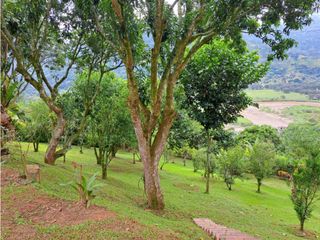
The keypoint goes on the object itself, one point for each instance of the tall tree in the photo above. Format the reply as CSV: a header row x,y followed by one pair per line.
x,y
214,82
175,37
47,39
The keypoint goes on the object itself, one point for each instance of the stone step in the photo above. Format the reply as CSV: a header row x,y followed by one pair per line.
x,y
220,232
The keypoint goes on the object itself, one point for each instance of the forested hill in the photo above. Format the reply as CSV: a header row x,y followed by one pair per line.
x,y
301,71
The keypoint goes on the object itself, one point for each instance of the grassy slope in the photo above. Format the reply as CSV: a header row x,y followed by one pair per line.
x,y
303,114
243,122
272,95
269,215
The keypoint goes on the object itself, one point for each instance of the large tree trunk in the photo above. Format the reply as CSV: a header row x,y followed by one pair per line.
x,y
150,153
152,184
51,156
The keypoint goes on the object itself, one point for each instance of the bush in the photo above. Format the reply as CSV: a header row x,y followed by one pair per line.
x,y
231,164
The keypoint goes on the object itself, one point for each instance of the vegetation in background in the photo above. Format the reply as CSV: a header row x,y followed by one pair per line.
x,y
272,95
110,127
191,65
38,124
263,133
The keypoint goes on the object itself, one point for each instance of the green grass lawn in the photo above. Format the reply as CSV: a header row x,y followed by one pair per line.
x,y
272,95
243,122
269,215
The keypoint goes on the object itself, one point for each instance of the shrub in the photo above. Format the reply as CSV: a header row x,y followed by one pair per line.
x,y
261,160
85,188
231,164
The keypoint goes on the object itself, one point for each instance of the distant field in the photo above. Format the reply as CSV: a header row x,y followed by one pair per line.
x,y
272,95
302,114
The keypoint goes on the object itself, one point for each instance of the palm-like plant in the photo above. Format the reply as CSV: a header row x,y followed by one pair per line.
x,y
86,188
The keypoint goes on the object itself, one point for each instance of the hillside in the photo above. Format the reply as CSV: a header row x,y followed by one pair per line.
x,y
301,71
269,215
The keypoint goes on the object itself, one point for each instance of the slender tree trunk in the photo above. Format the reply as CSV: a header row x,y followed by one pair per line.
x,y
50,156
207,174
162,165
134,158
104,170
98,158
302,225
64,158
81,151
259,185
35,146
114,152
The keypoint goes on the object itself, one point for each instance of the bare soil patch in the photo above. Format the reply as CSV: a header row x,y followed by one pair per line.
x,y
307,234
258,117
11,176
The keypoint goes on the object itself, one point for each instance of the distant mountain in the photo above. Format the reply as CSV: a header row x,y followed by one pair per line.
x,y
301,71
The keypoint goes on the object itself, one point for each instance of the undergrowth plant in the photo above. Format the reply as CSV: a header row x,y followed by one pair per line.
x,y
85,187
